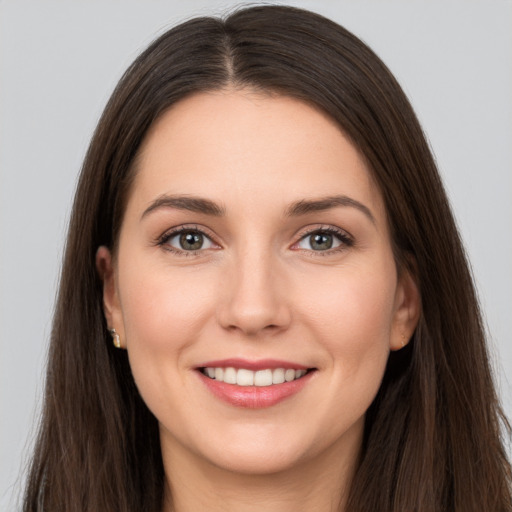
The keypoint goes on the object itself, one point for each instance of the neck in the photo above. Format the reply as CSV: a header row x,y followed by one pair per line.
x,y
320,484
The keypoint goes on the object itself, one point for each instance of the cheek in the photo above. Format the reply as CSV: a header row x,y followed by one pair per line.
x,y
352,324
160,304
163,312
352,319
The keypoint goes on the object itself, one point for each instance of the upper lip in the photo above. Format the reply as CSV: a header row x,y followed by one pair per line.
x,y
255,365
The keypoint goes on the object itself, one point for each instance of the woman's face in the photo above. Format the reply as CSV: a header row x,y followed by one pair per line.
x,y
255,248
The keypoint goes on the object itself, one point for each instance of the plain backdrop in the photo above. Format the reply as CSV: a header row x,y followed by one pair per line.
x,y
60,60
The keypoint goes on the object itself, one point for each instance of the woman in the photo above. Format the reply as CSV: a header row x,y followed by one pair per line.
x,y
260,230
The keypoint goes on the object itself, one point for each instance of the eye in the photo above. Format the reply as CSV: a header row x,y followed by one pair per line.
x,y
323,240
187,240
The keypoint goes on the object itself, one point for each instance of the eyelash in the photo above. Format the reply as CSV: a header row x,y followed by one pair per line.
x,y
345,239
163,240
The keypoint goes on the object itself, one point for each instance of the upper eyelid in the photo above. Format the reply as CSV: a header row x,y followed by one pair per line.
x,y
176,230
323,228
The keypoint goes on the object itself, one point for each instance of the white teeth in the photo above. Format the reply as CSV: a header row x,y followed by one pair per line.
x,y
278,376
263,378
289,375
244,377
230,376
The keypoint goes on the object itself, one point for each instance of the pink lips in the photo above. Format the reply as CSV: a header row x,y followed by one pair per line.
x,y
261,364
253,397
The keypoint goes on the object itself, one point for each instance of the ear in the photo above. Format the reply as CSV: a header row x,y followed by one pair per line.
x,y
407,310
111,303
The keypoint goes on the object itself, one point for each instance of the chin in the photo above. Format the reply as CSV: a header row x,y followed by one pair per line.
x,y
257,460
267,448
248,449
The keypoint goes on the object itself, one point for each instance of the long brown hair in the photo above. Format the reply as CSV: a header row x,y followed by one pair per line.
x,y
433,435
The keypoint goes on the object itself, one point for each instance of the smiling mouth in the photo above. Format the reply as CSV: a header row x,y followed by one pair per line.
x,y
260,378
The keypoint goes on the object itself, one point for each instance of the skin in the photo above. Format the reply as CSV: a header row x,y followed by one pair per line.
x,y
257,290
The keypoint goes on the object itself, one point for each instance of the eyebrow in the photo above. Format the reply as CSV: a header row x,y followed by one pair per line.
x,y
305,206
190,203
296,209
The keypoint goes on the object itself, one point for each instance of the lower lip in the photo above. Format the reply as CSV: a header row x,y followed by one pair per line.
x,y
254,397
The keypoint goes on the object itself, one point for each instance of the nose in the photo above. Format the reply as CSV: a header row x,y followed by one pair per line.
x,y
253,300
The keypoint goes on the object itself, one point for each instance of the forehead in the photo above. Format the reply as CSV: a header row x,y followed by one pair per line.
x,y
246,148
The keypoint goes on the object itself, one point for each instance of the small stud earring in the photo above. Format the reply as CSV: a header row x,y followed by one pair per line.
x,y
115,338
403,340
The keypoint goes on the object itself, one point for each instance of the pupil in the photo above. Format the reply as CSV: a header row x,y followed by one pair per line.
x,y
321,242
191,241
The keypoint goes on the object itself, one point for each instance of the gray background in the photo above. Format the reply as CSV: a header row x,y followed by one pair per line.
x,y
60,60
